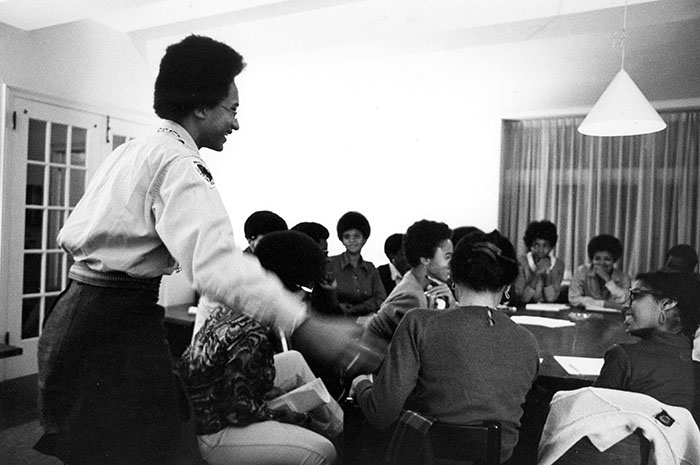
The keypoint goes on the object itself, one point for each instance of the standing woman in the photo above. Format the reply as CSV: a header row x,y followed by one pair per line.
x,y
107,390
541,273
461,365
359,288
599,282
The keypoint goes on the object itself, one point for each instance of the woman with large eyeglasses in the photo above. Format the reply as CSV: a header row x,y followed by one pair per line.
x,y
664,312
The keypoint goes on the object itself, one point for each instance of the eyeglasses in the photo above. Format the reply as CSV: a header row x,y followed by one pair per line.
x,y
234,113
639,293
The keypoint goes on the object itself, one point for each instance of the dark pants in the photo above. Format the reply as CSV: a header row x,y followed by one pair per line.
x,y
107,390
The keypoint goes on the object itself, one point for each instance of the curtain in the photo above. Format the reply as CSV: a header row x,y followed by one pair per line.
x,y
642,189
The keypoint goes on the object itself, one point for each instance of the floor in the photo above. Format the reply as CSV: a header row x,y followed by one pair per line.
x,y
19,429
18,401
19,426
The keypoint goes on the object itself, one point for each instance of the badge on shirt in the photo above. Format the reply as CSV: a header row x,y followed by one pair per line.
x,y
204,172
664,418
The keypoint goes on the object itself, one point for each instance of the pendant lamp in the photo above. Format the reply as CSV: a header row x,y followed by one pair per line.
x,y
622,110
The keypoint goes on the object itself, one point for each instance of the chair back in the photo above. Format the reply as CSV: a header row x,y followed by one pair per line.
x,y
457,444
418,440
632,450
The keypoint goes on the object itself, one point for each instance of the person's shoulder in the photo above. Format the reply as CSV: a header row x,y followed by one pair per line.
x,y
502,318
405,293
621,350
408,285
421,315
234,321
368,265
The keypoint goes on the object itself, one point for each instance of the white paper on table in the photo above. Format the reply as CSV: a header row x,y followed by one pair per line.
x,y
580,365
546,307
541,321
598,308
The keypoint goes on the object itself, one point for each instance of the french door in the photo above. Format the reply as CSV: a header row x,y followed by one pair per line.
x,y
51,153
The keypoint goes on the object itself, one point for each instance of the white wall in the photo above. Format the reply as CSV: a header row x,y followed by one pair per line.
x,y
393,139
397,139
82,62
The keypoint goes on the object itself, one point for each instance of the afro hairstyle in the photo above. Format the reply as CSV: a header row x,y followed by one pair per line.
x,y
195,72
294,257
353,220
605,243
544,229
263,222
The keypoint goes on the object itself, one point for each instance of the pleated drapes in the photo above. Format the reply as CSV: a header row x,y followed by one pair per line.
x,y
642,189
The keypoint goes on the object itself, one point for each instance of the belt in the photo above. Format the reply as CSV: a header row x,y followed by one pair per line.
x,y
82,273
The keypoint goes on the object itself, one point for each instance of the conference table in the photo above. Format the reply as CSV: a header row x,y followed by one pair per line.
x,y
179,323
572,342
566,333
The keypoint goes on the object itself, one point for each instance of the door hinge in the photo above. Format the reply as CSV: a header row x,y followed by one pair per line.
x,y
14,120
7,338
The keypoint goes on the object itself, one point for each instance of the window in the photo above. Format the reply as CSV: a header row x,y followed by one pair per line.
x,y
56,172
642,189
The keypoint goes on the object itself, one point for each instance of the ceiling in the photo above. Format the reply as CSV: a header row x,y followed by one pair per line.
x,y
548,42
403,16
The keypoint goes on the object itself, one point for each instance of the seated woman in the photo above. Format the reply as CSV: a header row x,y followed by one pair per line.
x,y
541,272
681,258
600,283
428,249
359,288
435,357
230,370
664,311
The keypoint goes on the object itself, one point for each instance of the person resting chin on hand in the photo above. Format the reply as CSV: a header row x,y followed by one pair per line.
x,y
599,282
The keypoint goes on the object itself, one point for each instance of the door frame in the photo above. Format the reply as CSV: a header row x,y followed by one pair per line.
x,y
107,121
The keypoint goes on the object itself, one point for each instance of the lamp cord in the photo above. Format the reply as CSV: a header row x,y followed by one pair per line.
x,y
624,34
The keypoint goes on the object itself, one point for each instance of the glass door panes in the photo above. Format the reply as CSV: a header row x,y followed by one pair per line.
x,y
56,174
118,140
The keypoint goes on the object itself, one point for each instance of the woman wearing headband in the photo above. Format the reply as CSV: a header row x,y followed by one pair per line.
x,y
437,356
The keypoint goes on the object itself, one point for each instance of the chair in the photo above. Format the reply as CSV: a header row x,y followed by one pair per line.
x,y
592,426
632,450
421,441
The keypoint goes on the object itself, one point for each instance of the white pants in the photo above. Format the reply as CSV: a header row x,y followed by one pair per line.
x,y
271,442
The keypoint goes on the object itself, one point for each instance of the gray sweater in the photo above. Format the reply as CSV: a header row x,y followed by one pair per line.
x,y
455,366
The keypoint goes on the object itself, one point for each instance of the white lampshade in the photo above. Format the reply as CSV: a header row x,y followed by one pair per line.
x,y
622,110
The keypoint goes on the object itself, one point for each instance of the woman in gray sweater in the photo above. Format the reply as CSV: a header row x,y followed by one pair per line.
x,y
460,365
